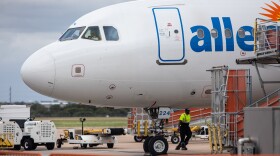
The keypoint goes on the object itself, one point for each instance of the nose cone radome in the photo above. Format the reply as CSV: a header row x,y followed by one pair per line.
x,y
38,73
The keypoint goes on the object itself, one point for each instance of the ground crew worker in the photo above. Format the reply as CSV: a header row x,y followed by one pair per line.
x,y
184,129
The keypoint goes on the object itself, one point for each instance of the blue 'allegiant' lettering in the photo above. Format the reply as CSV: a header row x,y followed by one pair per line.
x,y
219,38
204,43
196,42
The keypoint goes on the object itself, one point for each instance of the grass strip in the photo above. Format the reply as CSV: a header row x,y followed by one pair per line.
x,y
91,122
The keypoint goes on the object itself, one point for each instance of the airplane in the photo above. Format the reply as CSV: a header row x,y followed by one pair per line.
x,y
149,54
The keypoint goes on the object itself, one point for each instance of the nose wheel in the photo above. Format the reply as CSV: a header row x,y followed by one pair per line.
x,y
157,144
146,144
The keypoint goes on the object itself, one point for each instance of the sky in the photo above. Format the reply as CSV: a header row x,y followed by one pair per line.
x,y
28,25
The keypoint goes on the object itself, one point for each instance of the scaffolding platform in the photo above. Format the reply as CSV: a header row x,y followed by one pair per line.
x,y
265,59
266,43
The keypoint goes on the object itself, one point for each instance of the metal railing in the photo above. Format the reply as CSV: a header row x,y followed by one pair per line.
x,y
268,100
224,136
266,36
231,87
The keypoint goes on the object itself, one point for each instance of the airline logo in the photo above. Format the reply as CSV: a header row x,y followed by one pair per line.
x,y
204,44
272,12
199,44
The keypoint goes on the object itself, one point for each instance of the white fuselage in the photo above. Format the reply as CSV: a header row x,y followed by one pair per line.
x,y
127,72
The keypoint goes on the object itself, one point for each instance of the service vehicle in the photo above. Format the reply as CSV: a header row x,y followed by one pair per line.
x,y
34,133
39,133
91,138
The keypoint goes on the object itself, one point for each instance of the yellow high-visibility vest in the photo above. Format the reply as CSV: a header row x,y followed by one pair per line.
x,y
185,118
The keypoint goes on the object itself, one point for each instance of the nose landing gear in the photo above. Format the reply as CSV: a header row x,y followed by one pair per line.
x,y
156,144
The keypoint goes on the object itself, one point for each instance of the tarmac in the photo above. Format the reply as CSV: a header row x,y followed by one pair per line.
x,y
126,146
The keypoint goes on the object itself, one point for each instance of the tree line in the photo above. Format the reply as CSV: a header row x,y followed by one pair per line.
x,y
75,110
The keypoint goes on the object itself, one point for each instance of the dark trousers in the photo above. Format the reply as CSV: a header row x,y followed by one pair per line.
x,y
185,130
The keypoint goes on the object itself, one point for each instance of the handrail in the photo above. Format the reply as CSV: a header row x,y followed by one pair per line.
x,y
262,37
251,105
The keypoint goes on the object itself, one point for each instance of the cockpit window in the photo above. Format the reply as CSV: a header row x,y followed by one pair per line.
x,y
111,33
72,34
92,33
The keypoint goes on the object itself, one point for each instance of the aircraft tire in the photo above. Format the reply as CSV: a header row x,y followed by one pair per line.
x,y
146,144
158,145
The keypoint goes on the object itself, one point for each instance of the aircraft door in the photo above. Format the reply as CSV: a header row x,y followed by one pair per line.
x,y
170,35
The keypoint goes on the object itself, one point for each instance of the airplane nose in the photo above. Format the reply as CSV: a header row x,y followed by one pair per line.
x,y
38,73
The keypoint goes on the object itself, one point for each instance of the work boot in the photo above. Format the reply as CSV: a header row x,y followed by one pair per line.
x,y
178,147
184,146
